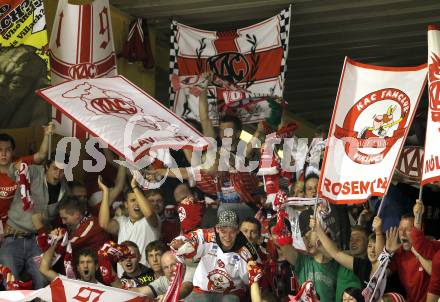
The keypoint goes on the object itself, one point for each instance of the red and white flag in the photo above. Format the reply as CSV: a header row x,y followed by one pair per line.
x,y
129,120
81,47
63,290
253,58
373,112
431,163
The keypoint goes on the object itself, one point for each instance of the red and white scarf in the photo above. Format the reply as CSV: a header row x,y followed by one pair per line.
x,y
173,292
63,248
306,293
24,185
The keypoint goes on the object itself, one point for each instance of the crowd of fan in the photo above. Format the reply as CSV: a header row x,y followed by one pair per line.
x,y
107,229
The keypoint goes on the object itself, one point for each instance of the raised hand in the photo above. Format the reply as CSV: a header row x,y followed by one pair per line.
x,y
418,211
49,128
377,224
392,240
255,272
176,244
101,184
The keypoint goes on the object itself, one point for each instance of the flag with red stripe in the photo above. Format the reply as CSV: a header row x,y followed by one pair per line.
x,y
431,163
63,290
252,58
81,47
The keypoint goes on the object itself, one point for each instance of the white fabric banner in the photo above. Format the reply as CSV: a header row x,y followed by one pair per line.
x,y
66,290
129,120
373,112
431,163
81,47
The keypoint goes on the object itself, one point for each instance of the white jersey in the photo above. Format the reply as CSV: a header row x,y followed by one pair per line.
x,y
219,271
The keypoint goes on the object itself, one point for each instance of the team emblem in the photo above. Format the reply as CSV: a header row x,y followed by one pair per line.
x,y
219,281
182,213
410,164
373,125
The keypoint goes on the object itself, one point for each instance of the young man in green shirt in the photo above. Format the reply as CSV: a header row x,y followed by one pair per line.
x,y
316,266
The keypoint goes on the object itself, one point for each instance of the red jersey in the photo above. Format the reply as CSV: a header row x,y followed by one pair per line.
x,y
434,284
244,183
8,186
411,274
425,247
88,235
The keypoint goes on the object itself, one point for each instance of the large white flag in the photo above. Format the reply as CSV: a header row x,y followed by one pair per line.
x,y
81,47
373,112
431,163
63,289
129,120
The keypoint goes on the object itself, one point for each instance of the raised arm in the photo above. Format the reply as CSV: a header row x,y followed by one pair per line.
x,y
331,248
109,225
255,275
119,184
380,238
46,260
207,127
426,263
418,211
45,265
42,153
392,243
144,204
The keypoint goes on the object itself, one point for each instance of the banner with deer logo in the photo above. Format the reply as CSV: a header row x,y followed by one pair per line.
x,y
129,120
81,47
253,59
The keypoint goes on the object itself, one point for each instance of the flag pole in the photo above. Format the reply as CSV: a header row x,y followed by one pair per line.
x,y
381,205
49,146
418,218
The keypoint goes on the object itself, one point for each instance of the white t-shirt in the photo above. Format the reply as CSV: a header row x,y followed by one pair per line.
x,y
139,232
161,284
